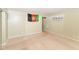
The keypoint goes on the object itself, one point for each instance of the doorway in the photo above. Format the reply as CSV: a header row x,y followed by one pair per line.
x,y
43,23
4,27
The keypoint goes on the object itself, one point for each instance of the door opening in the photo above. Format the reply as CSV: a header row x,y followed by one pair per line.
x,y
43,23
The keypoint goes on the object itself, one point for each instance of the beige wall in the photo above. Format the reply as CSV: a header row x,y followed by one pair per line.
x,y
16,23
19,26
33,27
0,28
54,25
71,24
69,27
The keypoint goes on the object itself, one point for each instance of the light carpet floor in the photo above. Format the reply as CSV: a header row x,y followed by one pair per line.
x,y
41,41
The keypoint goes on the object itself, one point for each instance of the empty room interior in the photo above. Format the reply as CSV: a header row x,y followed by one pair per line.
x,y
39,28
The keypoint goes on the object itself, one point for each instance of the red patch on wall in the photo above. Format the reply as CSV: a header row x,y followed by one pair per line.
x,y
33,18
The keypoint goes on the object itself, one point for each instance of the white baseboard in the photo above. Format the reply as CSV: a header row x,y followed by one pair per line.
x,y
22,35
16,36
61,35
0,45
3,44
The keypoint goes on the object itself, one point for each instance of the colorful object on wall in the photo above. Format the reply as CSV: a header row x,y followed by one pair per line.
x,y
33,18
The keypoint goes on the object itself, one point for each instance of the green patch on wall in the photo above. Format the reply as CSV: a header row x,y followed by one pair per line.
x,y
37,18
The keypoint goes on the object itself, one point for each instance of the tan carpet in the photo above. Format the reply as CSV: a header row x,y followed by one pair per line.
x,y
41,41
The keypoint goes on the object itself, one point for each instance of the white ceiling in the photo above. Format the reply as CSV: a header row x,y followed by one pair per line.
x,y
44,10
39,10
